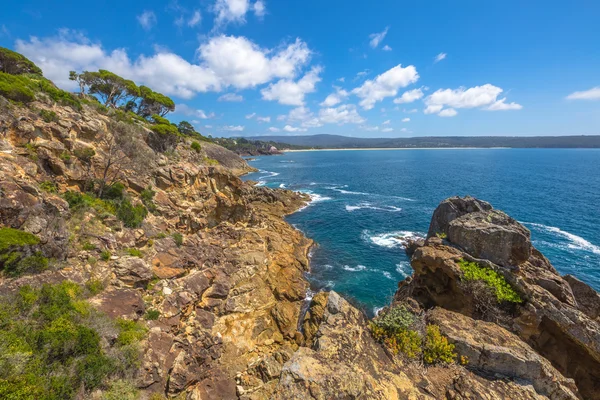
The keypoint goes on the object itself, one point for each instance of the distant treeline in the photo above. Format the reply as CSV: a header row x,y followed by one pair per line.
x,y
254,147
338,142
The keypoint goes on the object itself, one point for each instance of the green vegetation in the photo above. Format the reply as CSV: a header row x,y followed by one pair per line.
x,y
12,238
152,315
436,348
164,129
105,255
178,237
88,246
94,286
48,116
49,186
147,196
210,161
84,154
51,345
78,201
16,64
492,279
132,216
441,235
196,147
135,253
22,89
65,156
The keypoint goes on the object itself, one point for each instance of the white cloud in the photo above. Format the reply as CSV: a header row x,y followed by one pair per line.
x,y
500,105
231,11
233,128
344,114
342,79
411,111
475,97
250,116
147,20
273,129
208,126
370,128
403,130
386,122
448,112
335,98
195,19
376,38
406,119
592,94
259,8
385,85
184,109
231,97
263,119
386,48
409,96
289,128
440,57
387,130
291,93
225,61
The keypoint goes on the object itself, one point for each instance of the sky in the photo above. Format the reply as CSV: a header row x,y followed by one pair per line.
x,y
385,68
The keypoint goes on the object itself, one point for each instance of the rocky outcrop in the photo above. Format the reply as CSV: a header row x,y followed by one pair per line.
x,y
550,319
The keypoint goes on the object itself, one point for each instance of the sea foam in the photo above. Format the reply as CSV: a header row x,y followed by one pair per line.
x,y
390,239
370,206
576,242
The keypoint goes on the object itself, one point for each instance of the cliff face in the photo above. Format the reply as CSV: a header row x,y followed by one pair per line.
x,y
216,276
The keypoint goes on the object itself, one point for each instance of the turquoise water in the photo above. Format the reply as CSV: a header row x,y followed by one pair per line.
x,y
364,200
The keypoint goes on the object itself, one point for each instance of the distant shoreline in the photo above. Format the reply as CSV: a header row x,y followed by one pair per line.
x,y
396,148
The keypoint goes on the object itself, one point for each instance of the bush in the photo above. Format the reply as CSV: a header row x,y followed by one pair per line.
x,y
78,201
129,332
196,147
395,320
49,186
132,216
496,282
85,154
152,315
135,253
105,255
178,237
65,156
394,330
48,116
147,196
121,390
50,347
116,191
436,348
210,161
94,286
14,63
16,88
163,129
10,238
88,246
157,119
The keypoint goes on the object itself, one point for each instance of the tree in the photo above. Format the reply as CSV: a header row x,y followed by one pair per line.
x,y
185,128
154,103
80,79
111,88
16,64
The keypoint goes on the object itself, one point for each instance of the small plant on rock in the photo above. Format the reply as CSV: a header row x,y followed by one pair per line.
x,y
496,282
436,348
196,147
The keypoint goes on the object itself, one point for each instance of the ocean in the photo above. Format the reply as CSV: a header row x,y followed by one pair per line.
x,y
363,201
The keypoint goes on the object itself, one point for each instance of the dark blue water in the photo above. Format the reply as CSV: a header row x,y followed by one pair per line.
x,y
364,200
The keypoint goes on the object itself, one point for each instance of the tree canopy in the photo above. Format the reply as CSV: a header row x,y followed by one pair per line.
x,y
14,63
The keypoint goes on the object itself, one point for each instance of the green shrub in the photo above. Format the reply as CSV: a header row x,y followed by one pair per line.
x,y
196,147
147,196
163,129
88,246
152,315
116,191
92,260
65,156
105,255
48,116
130,332
10,237
94,286
78,201
502,289
15,63
135,253
395,320
436,348
157,119
121,390
16,88
49,186
50,347
394,330
132,216
178,237
210,161
85,154
441,235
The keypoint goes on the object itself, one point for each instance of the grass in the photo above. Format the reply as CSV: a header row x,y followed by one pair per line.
x,y
105,255
210,161
10,237
178,238
48,116
49,187
135,253
51,345
23,89
196,147
114,203
501,288
152,315
94,286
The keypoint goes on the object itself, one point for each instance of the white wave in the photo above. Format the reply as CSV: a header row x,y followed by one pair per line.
x,y
390,239
376,310
261,183
282,186
370,206
402,198
314,198
387,275
403,268
328,266
343,191
267,174
354,269
576,242
313,183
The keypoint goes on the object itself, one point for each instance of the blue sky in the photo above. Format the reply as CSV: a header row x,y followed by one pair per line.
x,y
383,68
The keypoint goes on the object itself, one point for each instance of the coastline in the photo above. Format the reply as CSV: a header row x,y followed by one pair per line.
x,y
396,148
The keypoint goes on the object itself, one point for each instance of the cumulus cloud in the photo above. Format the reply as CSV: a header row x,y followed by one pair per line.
x,y
235,11
344,114
224,61
385,130
273,129
184,109
377,38
259,8
335,98
386,48
386,122
409,96
233,128
289,128
485,96
291,93
448,112
385,85
263,119
231,97
592,94
440,57
406,119
147,20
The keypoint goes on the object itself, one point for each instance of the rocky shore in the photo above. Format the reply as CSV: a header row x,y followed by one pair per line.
x,y
216,277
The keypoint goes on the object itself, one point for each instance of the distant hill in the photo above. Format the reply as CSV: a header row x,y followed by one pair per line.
x,y
338,142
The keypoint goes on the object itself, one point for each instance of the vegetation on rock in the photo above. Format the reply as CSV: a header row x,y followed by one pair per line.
x,y
502,289
436,348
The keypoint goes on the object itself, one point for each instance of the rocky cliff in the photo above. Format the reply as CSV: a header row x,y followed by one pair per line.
x,y
215,276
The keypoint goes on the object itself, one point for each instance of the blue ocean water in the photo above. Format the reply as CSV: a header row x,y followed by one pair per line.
x,y
363,200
